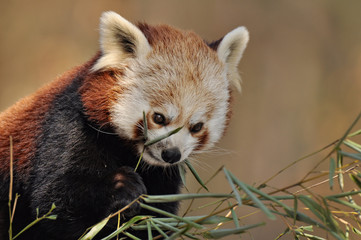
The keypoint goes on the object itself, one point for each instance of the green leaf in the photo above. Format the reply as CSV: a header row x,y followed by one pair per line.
x,y
356,156
162,212
235,190
339,166
354,206
158,229
356,180
309,236
353,145
149,229
52,217
171,228
95,230
182,172
215,219
300,217
131,236
165,225
256,201
268,197
234,216
323,214
195,174
160,138
305,228
180,197
332,172
345,194
220,233
358,132
355,230
312,205
177,234
295,207
124,227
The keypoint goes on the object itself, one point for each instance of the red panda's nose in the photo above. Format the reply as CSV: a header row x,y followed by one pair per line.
x,y
171,155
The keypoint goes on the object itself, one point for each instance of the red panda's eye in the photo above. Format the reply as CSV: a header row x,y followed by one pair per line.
x,y
197,127
159,118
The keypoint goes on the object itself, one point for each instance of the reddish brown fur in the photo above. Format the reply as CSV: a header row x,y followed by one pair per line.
x,y
138,131
23,121
99,93
165,37
202,139
229,112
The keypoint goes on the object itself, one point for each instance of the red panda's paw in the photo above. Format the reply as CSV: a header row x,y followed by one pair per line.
x,y
127,187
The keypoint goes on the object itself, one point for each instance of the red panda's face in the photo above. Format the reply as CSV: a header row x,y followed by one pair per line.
x,y
175,79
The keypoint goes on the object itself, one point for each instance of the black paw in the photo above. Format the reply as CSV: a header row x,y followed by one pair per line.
x,y
127,186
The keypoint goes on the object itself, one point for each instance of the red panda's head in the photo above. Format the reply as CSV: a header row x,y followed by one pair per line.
x,y
175,78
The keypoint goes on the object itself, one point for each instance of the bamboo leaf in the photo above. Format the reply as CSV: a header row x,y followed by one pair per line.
x,y
339,166
306,228
345,194
355,230
158,229
256,201
182,172
345,203
268,197
180,197
332,172
325,215
157,210
215,219
195,174
234,189
124,227
356,156
358,132
165,225
356,180
95,230
52,217
131,236
149,229
220,233
234,217
353,145
312,205
160,138
295,207
38,219
309,236
300,217
171,228
177,234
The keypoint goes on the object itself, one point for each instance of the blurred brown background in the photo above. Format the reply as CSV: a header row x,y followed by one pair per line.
x,y
301,71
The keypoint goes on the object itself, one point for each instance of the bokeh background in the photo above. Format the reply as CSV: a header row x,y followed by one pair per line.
x,y
301,72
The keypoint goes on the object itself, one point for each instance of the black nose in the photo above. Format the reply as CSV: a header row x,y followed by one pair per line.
x,y
171,155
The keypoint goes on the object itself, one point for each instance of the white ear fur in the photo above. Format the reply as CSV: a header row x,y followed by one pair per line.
x,y
119,39
230,51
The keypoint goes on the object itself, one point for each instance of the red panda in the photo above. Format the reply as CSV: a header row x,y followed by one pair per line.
x,y
77,140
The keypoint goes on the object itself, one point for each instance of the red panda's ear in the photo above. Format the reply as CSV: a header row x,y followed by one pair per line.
x,y
230,50
119,40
